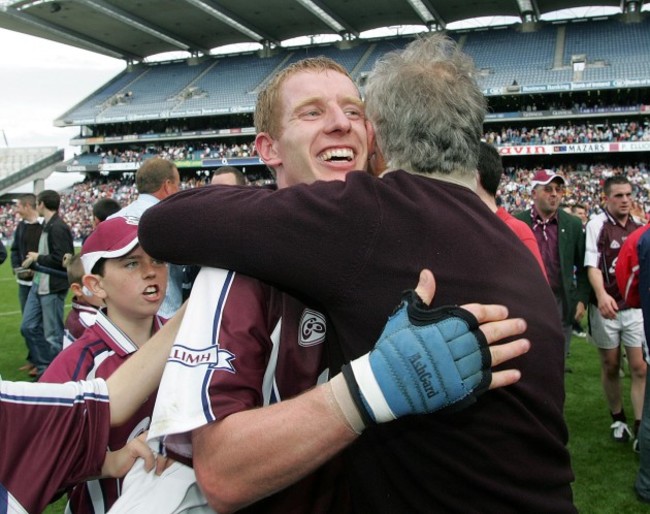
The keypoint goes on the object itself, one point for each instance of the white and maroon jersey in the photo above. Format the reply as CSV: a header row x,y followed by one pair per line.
x,y
81,316
98,353
242,344
605,237
52,436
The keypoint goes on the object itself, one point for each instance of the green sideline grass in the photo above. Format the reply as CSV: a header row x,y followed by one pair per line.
x,y
604,470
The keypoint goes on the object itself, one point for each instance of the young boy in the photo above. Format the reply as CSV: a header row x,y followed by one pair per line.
x,y
84,305
132,286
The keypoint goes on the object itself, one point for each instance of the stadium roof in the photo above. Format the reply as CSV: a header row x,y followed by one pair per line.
x,y
136,29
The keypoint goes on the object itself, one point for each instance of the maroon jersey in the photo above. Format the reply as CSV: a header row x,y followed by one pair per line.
x,y
352,247
605,238
97,354
52,436
80,317
243,344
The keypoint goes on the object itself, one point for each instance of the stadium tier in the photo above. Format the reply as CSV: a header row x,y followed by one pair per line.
x,y
611,51
22,165
554,93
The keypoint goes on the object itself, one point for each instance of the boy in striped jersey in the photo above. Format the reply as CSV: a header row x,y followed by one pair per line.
x,y
132,285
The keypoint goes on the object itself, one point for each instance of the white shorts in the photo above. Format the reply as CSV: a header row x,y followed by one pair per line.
x,y
174,492
608,334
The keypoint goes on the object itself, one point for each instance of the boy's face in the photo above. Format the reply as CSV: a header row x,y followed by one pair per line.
x,y
133,286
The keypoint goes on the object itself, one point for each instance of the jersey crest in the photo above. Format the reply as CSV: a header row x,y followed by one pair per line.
x,y
312,328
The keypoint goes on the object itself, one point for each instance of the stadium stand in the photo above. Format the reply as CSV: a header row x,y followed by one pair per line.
x,y
229,84
531,64
613,50
542,112
21,165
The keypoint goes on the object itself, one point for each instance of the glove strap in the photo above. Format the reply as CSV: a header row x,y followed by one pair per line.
x,y
355,393
367,390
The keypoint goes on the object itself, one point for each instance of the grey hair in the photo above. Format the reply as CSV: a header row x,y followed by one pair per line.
x,y
426,107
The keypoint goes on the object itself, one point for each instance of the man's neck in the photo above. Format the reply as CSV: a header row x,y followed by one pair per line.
x,y
545,216
47,215
31,218
621,219
487,198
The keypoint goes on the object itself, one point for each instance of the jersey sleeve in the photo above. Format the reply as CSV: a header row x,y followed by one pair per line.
x,y
592,254
52,436
220,356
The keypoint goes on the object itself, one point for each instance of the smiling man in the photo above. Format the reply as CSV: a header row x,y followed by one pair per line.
x,y
269,345
351,246
320,132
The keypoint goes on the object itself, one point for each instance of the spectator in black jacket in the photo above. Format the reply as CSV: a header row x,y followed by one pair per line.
x,y
28,232
25,240
42,325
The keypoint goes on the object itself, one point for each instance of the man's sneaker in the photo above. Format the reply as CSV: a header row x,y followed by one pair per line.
x,y
579,333
635,445
620,432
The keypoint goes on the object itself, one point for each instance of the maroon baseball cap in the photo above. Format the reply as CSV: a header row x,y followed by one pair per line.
x,y
114,237
544,177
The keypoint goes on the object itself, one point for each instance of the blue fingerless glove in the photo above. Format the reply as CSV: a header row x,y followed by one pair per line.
x,y
425,360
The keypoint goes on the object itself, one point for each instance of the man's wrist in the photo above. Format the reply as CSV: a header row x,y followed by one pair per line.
x,y
344,405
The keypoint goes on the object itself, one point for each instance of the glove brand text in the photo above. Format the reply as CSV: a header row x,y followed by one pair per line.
x,y
423,375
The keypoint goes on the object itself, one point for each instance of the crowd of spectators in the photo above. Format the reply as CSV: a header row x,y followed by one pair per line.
x,y
178,151
570,134
585,185
504,136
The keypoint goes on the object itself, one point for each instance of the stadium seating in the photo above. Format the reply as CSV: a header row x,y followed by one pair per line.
x,y
215,85
532,63
622,47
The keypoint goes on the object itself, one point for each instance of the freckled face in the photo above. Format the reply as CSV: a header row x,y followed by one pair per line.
x,y
134,285
323,129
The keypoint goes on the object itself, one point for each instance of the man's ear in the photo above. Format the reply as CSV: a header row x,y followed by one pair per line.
x,y
372,140
533,193
168,186
265,146
376,164
94,284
